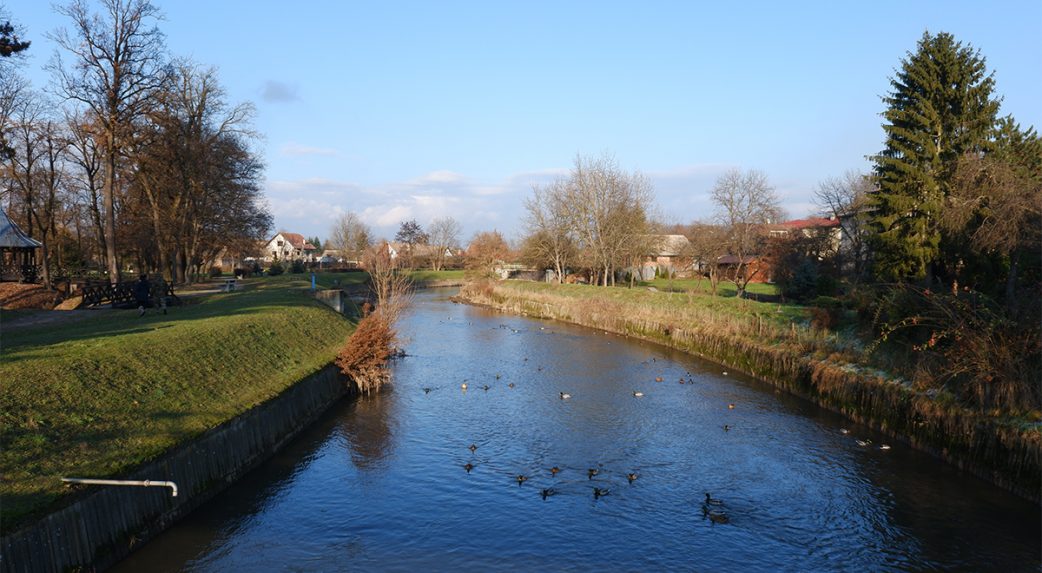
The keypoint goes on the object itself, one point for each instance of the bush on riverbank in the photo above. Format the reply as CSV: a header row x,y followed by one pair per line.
x,y
365,355
96,397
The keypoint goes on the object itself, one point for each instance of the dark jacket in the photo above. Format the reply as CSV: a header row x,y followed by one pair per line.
x,y
142,291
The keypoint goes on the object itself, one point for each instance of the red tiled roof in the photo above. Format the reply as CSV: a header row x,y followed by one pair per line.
x,y
809,223
298,241
733,260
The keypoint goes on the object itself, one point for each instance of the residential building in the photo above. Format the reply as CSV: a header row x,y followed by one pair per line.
x,y
289,247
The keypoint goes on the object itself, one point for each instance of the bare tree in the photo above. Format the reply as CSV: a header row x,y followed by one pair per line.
x,y
486,250
444,235
746,204
11,85
708,243
52,174
85,160
608,210
26,153
387,281
11,48
551,240
365,355
996,206
193,153
351,236
118,64
37,170
846,199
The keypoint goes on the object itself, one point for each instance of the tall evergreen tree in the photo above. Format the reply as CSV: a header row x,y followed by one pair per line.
x,y
9,86
9,42
940,107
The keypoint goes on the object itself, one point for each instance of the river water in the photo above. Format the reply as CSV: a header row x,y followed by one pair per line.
x,y
380,484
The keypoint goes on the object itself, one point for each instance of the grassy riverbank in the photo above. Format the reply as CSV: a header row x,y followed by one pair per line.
x,y
98,396
776,343
357,279
702,286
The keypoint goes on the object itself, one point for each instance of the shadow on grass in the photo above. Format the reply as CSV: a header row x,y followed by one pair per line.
x,y
122,323
41,457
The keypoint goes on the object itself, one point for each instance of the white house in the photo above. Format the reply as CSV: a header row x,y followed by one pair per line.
x,y
289,247
418,251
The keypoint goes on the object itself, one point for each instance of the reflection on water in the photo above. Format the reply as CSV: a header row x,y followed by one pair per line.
x,y
367,428
799,493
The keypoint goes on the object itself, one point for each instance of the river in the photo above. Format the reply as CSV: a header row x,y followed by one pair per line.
x,y
380,483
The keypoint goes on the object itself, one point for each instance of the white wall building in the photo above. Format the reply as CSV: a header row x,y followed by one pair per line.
x,y
289,247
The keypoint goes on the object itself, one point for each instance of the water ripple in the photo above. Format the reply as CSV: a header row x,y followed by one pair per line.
x,y
381,484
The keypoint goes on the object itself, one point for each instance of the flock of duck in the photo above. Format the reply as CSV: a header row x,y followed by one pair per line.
x,y
713,509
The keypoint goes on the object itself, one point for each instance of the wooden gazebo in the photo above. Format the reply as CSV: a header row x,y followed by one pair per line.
x,y
17,252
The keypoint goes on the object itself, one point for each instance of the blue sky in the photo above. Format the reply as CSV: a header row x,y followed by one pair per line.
x,y
399,110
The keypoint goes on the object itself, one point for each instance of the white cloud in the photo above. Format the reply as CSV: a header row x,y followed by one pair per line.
x,y
309,206
439,178
304,208
384,217
312,186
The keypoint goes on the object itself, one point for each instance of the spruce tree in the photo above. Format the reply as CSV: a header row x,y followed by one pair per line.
x,y
940,107
9,42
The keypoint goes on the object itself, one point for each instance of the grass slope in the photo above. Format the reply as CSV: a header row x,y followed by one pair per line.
x,y
97,397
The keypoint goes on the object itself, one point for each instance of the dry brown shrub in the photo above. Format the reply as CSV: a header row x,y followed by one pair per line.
x,y
364,358
822,319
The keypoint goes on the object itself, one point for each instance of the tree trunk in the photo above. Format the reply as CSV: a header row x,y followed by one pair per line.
x,y
110,210
44,266
179,267
99,227
162,245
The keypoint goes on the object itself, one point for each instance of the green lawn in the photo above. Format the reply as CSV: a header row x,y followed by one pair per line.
x,y
357,278
99,396
420,276
724,288
677,301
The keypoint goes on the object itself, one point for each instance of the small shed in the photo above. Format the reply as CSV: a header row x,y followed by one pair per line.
x,y
17,252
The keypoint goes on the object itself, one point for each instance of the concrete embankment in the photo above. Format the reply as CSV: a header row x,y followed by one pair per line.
x,y
997,450
106,523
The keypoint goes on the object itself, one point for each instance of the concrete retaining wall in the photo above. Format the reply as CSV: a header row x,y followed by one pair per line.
x,y
334,299
105,523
